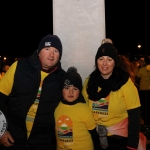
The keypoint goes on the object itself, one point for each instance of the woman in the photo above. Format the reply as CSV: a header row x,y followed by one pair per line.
x,y
114,101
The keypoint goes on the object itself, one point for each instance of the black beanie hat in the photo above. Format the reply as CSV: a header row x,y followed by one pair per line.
x,y
50,41
107,49
72,78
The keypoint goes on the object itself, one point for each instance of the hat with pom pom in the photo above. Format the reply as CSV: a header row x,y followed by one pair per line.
x,y
72,78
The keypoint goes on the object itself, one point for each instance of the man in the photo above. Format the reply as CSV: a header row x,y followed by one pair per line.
x,y
29,93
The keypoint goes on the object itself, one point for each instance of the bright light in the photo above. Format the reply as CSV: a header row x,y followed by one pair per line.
x,y
5,58
139,46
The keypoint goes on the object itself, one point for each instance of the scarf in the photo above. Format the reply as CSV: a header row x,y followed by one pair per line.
x,y
113,83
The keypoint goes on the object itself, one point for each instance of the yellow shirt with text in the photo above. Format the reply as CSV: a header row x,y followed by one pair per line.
x,y
112,109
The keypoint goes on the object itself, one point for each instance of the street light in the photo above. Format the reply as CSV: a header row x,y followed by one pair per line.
x,y
5,58
139,47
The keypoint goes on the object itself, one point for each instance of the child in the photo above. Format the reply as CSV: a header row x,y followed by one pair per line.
x,y
75,126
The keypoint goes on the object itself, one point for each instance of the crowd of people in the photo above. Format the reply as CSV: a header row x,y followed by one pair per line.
x,y
48,108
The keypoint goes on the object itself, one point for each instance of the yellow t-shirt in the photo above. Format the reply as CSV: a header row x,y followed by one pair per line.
x,y
6,86
72,125
144,74
7,80
33,109
112,109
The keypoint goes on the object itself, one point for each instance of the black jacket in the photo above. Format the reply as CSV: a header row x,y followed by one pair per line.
x,y
24,91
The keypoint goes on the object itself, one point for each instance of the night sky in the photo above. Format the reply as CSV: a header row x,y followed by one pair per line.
x,y
23,24
127,24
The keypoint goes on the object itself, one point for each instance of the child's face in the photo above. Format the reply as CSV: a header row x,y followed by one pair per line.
x,y
70,93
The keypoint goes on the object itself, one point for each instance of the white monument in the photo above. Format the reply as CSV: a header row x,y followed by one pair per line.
x,y
80,24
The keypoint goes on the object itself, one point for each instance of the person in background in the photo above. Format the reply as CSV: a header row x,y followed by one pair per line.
x,y
75,125
143,77
113,100
136,67
31,88
5,67
141,62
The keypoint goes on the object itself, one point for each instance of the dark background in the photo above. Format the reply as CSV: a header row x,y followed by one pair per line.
x,y
23,24
127,25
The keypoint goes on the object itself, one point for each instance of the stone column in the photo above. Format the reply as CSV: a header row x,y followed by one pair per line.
x,y
80,24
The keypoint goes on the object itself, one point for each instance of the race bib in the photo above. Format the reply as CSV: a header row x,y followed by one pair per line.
x,y
3,124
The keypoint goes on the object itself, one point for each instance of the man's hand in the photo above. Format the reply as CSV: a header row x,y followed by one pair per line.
x,y
7,139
